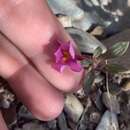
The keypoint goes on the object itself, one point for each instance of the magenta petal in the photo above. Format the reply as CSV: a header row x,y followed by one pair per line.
x,y
66,50
75,66
65,46
72,51
59,67
58,55
59,42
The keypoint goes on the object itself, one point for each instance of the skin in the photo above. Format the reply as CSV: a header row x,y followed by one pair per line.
x,y
27,43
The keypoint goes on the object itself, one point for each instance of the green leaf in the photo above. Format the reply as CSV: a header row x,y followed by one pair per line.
x,y
86,63
120,48
115,68
98,51
117,50
88,81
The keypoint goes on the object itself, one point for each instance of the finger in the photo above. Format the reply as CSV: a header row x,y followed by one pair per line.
x,y
42,99
2,123
35,34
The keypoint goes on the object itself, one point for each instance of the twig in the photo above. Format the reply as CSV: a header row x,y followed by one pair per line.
x,y
107,87
109,96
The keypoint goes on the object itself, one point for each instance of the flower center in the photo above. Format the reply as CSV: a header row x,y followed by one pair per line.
x,y
66,56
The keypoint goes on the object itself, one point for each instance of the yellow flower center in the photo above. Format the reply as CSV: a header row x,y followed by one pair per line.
x,y
66,56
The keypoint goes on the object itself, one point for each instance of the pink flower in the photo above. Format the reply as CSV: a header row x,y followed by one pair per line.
x,y
65,56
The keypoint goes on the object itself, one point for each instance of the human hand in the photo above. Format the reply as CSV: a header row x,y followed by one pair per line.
x,y
30,32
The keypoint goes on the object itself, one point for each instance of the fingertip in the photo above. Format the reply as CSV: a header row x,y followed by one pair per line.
x,y
49,112
72,82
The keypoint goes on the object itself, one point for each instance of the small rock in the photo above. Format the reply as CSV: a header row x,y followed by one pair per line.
x,y
126,74
6,96
66,7
114,88
31,126
95,117
24,113
1,88
62,122
86,42
128,3
52,124
6,99
111,102
70,8
90,117
80,93
10,115
5,103
98,31
105,2
66,21
73,107
84,23
98,78
126,86
117,78
95,2
108,122
96,98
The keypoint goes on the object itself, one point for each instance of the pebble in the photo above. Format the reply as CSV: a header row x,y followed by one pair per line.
x,y
10,115
66,21
90,118
98,78
6,96
126,86
97,99
80,93
66,7
73,107
31,126
111,102
6,99
52,124
78,18
95,2
95,117
107,13
97,31
1,88
108,122
84,23
105,2
62,122
5,104
24,113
